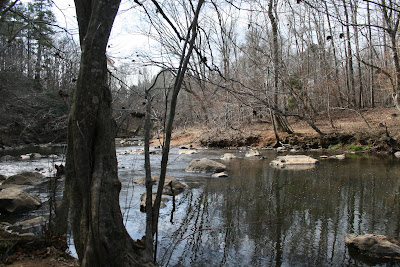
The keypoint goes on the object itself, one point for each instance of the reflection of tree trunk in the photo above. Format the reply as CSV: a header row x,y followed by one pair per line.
x,y
279,222
91,166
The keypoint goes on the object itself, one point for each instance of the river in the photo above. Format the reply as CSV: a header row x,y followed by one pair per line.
x,y
259,215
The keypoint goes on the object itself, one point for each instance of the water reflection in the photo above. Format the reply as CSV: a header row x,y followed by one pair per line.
x,y
262,216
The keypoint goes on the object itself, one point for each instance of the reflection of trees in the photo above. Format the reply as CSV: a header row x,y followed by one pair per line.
x,y
263,216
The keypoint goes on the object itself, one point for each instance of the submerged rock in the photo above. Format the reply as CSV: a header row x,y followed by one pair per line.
x,y
24,178
281,149
220,175
252,153
205,165
397,154
174,187
294,162
228,156
187,151
153,198
25,157
177,186
33,222
340,157
14,200
7,158
374,246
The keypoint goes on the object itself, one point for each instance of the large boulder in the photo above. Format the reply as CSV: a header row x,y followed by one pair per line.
x,y
177,186
294,162
24,178
205,165
153,198
374,246
14,200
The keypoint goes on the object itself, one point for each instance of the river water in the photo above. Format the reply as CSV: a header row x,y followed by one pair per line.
x,y
262,216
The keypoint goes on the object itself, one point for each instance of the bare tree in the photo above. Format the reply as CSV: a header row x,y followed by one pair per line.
x,y
91,166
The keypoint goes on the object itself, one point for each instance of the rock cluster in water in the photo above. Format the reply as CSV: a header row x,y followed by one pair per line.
x,y
374,246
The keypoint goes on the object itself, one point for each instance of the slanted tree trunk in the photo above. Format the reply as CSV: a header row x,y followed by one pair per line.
x,y
91,167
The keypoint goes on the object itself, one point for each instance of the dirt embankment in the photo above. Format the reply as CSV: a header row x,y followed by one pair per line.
x,y
372,130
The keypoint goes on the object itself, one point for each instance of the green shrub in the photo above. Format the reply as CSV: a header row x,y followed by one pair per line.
x,y
355,148
334,147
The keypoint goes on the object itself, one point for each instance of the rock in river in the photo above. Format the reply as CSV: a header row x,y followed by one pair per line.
x,y
294,162
374,246
24,178
177,186
228,156
14,200
187,151
220,175
205,165
252,153
153,198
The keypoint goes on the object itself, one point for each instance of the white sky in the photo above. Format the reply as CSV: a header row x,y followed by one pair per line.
x,y
125,38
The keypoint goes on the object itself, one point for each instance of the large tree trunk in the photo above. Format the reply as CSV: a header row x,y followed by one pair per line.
x,y
281,122
91,166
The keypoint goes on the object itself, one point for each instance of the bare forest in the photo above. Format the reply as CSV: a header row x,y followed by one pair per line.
x,y
258,59
220,73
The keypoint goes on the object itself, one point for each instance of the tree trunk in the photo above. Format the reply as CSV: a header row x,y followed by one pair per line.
x,y
354,8
281,122
38,65
371,54
350,73
91,166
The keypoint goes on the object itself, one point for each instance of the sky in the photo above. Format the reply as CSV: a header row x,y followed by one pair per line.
x,y
125,40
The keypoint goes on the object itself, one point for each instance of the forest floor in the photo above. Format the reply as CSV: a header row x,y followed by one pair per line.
x,y
372,130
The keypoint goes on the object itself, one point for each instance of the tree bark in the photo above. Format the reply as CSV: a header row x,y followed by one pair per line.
x,y
91,167
281,123
349,61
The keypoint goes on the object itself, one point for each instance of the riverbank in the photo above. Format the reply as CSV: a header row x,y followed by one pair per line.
x,y
370,130
33,251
